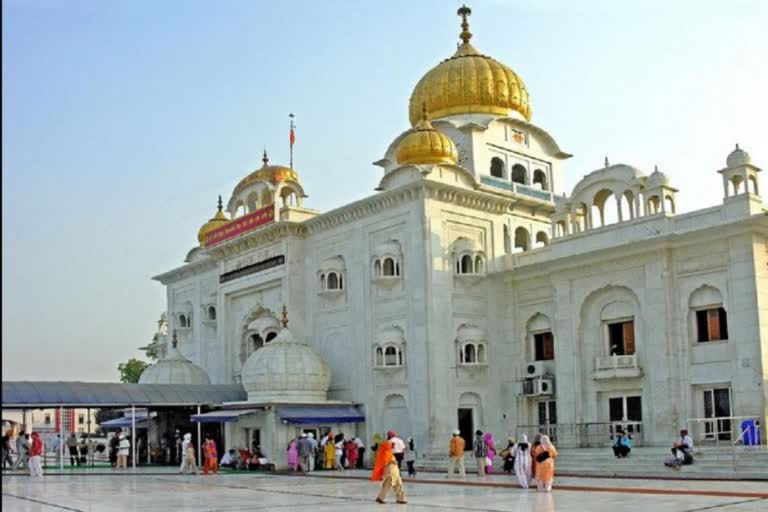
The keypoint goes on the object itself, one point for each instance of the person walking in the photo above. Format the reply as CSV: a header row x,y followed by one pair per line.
x,y
521,455
534,446
410,457
508,456
211,456
490,446
293,454
338,452
545,455
386,470
456,454
303,449
114,447
330,451
57,449
22,451
312,450
35,452
188,459
350,450
6,456
122,453
360,452
398,447
74,457
480,451
183,452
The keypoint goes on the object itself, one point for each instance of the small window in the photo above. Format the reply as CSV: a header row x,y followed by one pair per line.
x,y
379,356
469,353
377,268
497,167
390,356
81,419
621,338
711,324
211,313
183,321
519,174
322,282
270,336
333,281
466,264
540,179
47,419
544,346
389,267
257,341
481,354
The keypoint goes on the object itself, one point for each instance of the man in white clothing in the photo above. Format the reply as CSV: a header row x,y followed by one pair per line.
x,y
184,444
398,446
312,450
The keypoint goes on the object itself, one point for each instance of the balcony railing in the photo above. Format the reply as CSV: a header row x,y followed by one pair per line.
x,y
518,188
585,435
617,366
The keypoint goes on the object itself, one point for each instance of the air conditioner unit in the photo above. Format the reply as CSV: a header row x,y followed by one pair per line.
x,y
534,369
540,386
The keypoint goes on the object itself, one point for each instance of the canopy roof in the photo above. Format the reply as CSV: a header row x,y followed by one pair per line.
x,y
222,415
109,394
318,414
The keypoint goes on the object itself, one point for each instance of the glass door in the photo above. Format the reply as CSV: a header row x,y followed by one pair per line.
x,y
626,413
548,418
717,405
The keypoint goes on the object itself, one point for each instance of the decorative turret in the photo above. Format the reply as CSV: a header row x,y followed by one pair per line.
x,y
217,221
425,145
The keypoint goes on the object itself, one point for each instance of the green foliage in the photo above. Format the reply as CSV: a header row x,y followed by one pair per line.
x,y
131,370
153,349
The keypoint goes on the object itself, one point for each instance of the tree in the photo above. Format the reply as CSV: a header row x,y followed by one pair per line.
x,y
131,370
153,349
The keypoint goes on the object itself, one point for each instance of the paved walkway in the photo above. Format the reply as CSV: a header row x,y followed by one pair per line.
x,y
148,490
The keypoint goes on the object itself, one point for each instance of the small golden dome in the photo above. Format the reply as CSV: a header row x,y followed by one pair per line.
x,y
425,145
217,221
469,83
271,173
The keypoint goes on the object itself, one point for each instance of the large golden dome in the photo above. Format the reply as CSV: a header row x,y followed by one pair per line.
x,y
271,173
469,83
217,221
425,145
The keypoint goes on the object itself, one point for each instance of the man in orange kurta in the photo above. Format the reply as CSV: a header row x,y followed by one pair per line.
x,y
385,469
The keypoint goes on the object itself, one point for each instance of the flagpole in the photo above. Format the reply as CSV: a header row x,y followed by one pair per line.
x,y
291,141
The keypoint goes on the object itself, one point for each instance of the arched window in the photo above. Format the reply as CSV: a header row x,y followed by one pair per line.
x,y
333,281
379,356
562,228
240,209
654,205
389,267
540,179
322,282
390,356
377,268
497,167
522,239
341,281
519,174
253,201
211,313
607,208
542,239
478,264
753,183
270,336
466,264
257,341
481,353
183,322
711,319
669,204
266,197
469,353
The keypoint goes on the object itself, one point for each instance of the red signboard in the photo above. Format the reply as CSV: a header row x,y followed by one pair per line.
x,y
241,225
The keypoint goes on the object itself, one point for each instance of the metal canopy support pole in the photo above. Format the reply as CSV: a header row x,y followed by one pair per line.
x,y
61,439
133,436
90,445
199,447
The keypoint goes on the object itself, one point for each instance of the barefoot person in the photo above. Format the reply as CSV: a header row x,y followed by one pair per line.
x,y
385,469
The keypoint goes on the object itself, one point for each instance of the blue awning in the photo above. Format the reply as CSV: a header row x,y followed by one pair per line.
x,y
125,421
222,416
307,414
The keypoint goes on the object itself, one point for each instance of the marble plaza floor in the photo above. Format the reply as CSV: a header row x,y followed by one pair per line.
x,y
164,491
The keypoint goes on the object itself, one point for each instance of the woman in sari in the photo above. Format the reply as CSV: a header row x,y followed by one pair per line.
x,y
211,455
293,455
491,450
330,452
521,455
545,455
352,454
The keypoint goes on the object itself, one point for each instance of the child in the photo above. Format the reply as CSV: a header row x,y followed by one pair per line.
x,y
410,457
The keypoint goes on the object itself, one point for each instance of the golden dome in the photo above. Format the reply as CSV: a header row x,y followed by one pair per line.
x,y
271,173
469,83
425,145
217,221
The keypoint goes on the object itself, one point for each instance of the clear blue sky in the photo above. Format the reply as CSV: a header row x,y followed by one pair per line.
x,y
123,120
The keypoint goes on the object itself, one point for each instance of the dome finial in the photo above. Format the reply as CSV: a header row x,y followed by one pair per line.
x,y
175,340
221,204
284,321
656,168
465,35
606,162
737,146
265,158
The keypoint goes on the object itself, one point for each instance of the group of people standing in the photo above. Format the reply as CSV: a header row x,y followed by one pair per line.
x,y
333,452
29,450
189,456
533,462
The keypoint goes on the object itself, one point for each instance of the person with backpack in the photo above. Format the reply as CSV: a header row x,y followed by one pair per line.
x,y
480,452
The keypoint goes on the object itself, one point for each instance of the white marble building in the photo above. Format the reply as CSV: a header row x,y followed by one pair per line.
x,y
471,289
